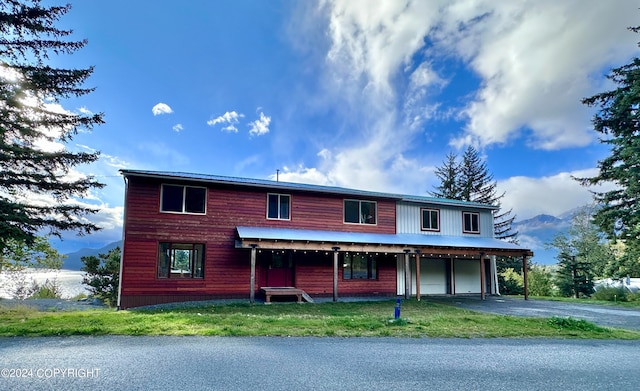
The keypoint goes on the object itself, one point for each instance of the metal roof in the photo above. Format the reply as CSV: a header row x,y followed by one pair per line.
x,y
290,186
407,240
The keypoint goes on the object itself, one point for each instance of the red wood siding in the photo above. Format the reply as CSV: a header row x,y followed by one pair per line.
x,y
227,269
314,274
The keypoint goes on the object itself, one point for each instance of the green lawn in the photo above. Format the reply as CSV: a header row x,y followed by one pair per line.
x,y
372,319
586,300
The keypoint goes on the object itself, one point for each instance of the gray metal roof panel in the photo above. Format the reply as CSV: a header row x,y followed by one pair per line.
x,y
252,182
292,234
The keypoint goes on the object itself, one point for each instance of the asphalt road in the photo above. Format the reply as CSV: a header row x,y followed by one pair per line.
x,y
213,363
604,315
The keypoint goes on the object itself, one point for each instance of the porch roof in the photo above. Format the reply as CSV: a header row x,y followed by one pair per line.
x,y
347,241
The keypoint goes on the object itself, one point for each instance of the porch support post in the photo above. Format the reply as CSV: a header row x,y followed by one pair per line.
x,y
252,285
335,272
494,276
417,274
524,275
453,275
407,275
482,277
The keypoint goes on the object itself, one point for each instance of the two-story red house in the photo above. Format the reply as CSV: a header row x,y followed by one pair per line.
x,y
197,237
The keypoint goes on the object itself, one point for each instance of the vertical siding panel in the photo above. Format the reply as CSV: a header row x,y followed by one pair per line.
x,y
450,220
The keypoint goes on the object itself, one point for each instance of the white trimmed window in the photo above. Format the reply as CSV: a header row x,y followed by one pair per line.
x,y
360,212
430,219
470,222
183,199
278,206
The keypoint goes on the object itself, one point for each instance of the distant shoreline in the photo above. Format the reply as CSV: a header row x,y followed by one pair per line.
x,y
70,281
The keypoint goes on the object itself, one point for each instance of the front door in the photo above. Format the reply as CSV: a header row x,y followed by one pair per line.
x,y
279,270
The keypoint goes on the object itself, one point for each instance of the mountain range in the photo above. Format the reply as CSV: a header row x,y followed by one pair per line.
x,y
73,260
537,232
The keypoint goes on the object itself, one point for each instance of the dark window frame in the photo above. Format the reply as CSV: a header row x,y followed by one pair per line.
x,y
470,229
187,202
370,274
279,207
167,262
361,220
422,220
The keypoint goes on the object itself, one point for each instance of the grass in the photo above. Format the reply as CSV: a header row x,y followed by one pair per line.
x,y
363,319
586,300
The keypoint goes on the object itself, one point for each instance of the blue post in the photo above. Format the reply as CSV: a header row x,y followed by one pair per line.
x,y
397,312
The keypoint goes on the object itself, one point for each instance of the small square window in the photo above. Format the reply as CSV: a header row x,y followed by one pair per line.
x,y
430,220
279,206
471,222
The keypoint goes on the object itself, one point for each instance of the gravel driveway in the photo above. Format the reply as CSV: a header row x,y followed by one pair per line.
x,y
604,315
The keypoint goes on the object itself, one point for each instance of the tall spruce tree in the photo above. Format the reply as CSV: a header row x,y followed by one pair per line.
x,y
449,175
31,94
470,180
583,255
477,184
618,120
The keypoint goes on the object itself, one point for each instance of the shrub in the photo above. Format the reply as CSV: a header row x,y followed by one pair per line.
x,y
573,324
611,293
511,282
540,281
50,289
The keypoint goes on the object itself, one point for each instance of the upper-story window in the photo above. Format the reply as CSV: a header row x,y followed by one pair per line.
x,y
279,206
183,199
359,212
470,222
430,219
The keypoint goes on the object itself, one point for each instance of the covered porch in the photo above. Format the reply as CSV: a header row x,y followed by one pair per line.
x,y
410,250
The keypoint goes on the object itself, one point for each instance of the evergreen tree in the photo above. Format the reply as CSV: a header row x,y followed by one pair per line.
x,y
103,275
477,184
574,275
470,180
30,96
583,255
449,175
624,262
618,120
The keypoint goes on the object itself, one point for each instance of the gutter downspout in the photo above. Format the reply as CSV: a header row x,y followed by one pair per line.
x,y
124,224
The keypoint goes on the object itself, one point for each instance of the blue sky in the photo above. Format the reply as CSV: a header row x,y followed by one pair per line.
x,y
363,94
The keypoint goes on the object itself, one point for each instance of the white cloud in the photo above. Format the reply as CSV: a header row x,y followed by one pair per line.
x,y
552,195
260,126
85,111
114,161
161,108
536,59
302,174
178,128
230,118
